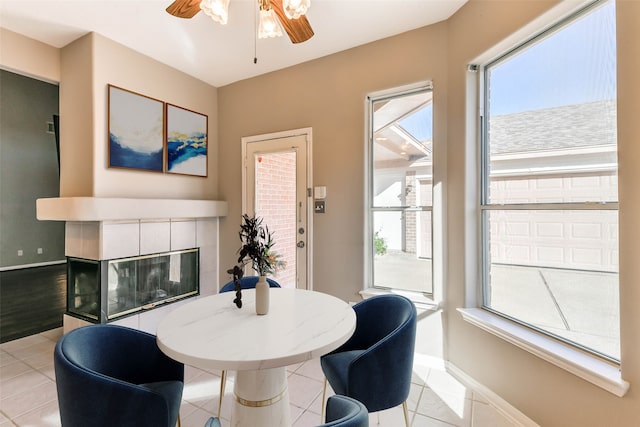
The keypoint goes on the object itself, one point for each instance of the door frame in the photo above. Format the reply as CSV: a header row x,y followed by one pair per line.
x,y
308,134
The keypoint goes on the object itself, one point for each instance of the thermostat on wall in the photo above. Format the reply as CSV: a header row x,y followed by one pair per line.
x,y
320,192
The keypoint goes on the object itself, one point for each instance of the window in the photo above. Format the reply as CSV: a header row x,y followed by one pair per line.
x,y
549,202
400,190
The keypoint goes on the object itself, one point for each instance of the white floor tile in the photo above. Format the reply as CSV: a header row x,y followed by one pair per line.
x,y
19,344
307,419
487,416
13,369
316,405
449,408
28,396
19,404
203,391
23,383
6,358
442,382
3,419
389,417
35,352
196,419
414,397
302,390
48,371
425,421
311,369
44,416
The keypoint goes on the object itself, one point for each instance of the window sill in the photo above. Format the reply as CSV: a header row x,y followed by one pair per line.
x,y
585,366
418,298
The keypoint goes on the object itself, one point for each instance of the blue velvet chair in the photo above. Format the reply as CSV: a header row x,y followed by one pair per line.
x,y
108,375
247,282
375,365
343,411
213,422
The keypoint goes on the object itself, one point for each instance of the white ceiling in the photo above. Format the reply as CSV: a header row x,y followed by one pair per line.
x,y
213,53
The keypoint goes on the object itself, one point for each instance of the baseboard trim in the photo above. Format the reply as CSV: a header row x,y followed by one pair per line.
x,y
38,264
501,405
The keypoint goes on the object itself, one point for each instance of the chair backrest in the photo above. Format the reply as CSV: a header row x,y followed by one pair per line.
x,y
343,411
382,315
110,350
110,375
248,282
379,374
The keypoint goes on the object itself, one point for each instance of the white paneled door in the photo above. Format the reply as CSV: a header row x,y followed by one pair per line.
x,y
277,189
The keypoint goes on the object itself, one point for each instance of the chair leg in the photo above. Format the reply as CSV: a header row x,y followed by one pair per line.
x,y
406,413
223,381
179,423
324,396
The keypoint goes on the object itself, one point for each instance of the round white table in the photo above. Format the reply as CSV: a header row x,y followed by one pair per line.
x,y
211,332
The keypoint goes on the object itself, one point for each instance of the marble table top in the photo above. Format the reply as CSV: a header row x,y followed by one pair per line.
x,y
212,332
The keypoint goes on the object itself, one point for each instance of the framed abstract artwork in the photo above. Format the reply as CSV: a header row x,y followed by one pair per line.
x,y
186,141
136,131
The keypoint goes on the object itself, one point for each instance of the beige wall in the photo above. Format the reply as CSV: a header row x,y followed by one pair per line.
x,y
328,95
120,66
628,30
29,57
84,68
77,142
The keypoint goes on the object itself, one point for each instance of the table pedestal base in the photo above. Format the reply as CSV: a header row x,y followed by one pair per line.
x,y
261,399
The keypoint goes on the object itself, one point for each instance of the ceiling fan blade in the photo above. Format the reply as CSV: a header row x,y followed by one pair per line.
x,y
184,8
299,30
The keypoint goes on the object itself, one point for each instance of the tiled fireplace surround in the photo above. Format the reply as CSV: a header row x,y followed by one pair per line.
x,y
108,228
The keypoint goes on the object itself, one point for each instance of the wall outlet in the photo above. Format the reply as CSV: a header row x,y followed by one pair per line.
x,y
39,251
20,252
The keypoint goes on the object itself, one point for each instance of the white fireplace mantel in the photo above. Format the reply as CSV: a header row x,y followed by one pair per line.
x,y
104,228
114,209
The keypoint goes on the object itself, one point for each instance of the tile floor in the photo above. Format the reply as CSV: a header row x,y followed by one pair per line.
x,y
28,392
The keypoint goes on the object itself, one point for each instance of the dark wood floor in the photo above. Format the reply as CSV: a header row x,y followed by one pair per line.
x,y
32,300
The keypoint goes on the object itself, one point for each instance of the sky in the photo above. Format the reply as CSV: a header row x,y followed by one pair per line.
x,y
420,124
574,65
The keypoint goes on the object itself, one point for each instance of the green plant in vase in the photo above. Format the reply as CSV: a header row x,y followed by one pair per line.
x,y
256,249
257,242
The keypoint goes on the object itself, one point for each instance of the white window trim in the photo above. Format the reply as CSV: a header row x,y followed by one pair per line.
x,y
586,366
437,209
418,298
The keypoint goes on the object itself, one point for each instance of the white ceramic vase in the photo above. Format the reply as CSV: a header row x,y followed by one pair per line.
x,y
262,296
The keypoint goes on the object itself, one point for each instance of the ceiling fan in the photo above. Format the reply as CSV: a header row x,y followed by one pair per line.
x,y
297,27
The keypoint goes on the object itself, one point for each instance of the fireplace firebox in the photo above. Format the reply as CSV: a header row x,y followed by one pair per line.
x,y
102,291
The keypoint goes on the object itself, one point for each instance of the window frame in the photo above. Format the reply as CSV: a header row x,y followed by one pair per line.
x,y
485,206
370,209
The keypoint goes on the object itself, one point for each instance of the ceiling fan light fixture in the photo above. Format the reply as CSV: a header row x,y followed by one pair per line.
x,y
269,25
294,9
218,10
